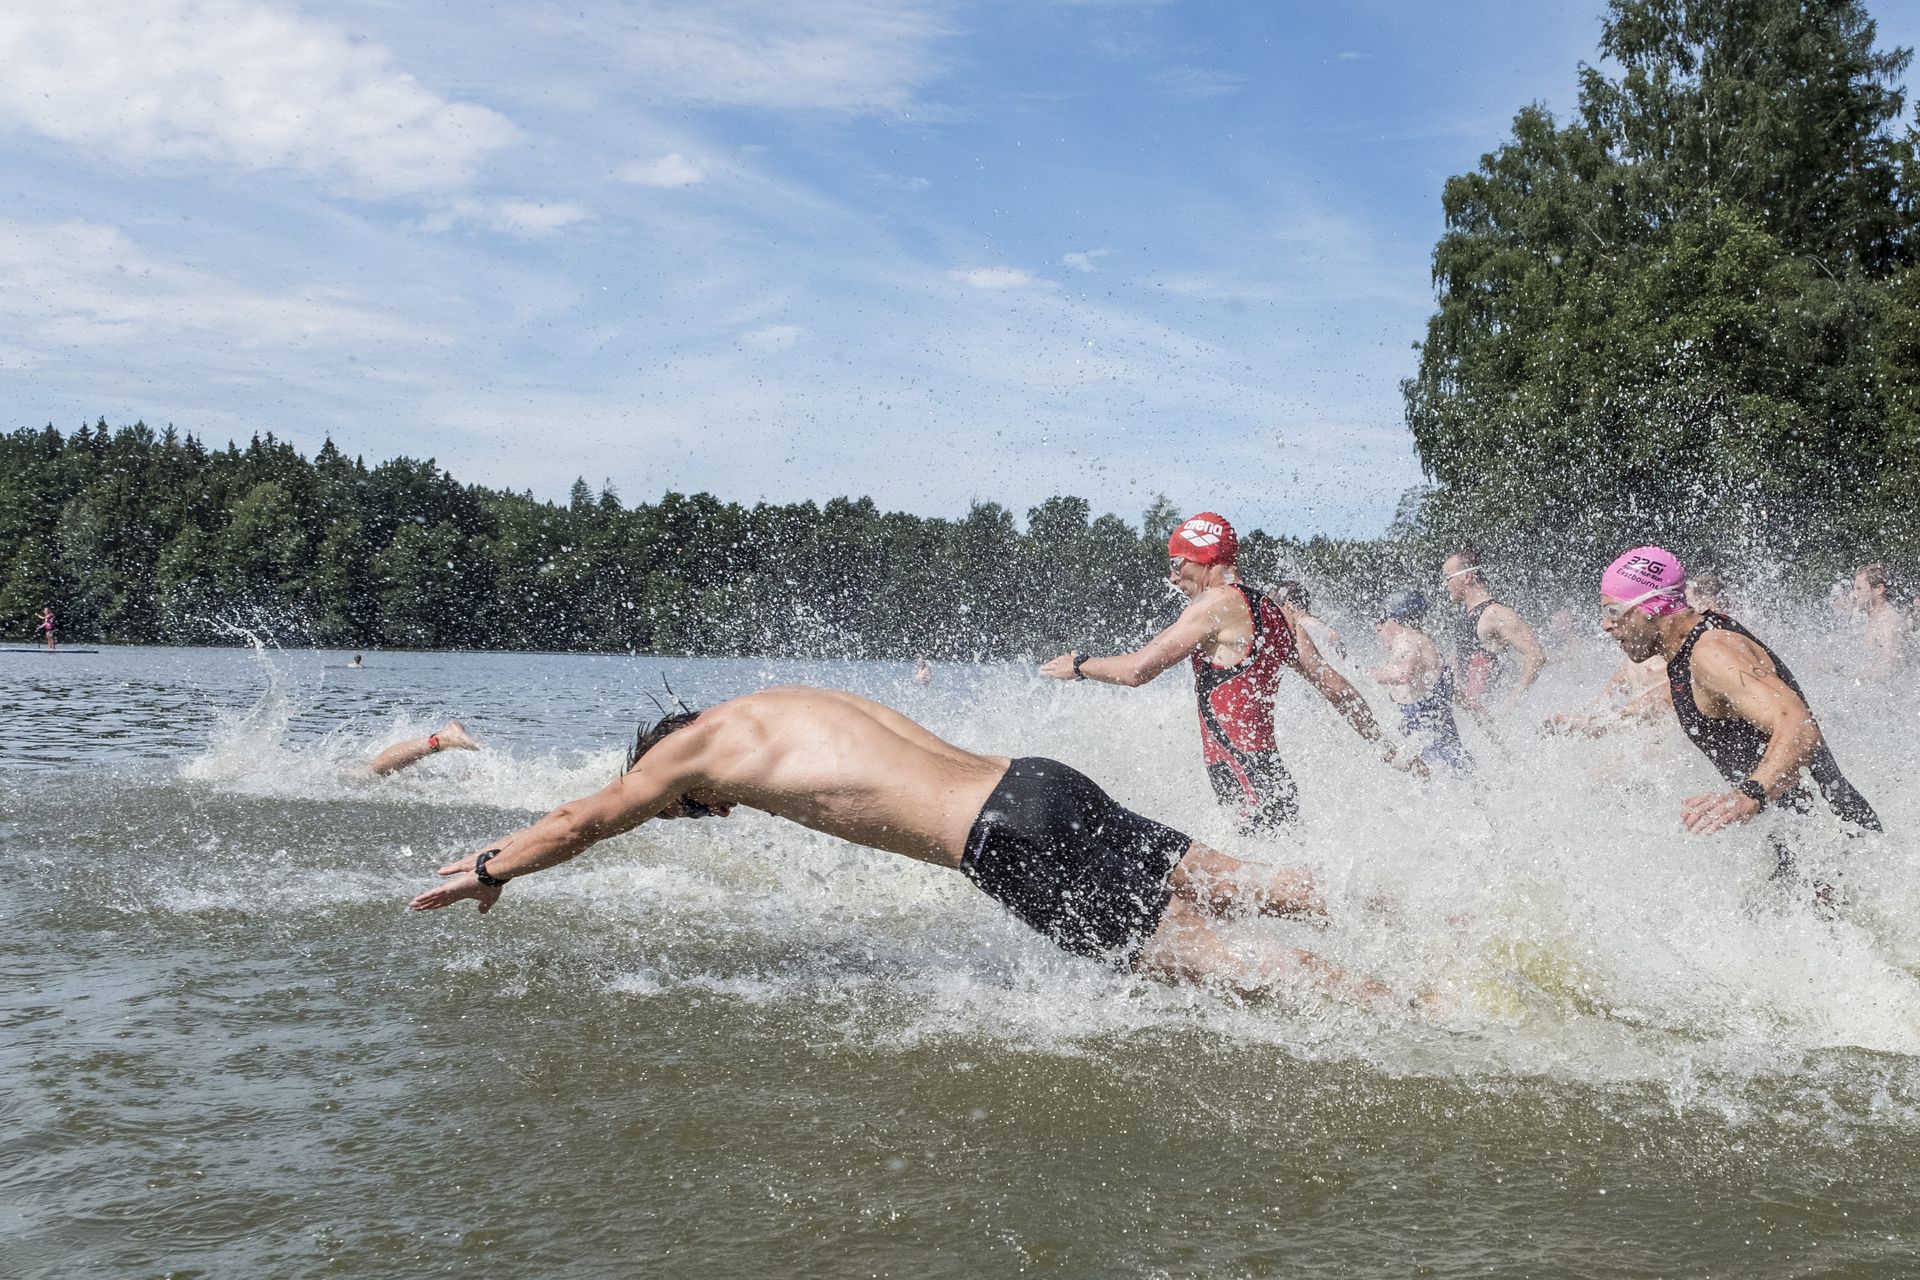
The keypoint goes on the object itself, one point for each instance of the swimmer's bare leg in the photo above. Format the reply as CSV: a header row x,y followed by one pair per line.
x,y
1188,947
451,737
1224,885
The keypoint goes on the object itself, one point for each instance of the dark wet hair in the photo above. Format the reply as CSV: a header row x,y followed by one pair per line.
x,y
1294,592
649,735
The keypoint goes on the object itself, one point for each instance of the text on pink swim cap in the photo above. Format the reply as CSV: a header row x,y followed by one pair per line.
x,y
1652,577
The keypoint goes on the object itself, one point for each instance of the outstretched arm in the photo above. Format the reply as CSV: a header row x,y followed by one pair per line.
x,y
578,825
1345,699
1648,704
1737,675
1194,627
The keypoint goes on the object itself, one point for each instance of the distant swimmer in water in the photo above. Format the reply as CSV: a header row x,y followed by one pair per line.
x,y
1291,595
1419,681
46,627
356,664
451,737
1038,837
1886,636
1237,641
1487,630
1733,697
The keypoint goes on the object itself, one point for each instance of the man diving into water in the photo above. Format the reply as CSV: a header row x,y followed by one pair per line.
x,y
1036,836
1237,641
1737,701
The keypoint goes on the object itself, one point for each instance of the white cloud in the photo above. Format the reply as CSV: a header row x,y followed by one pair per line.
x,y
80,284
859,56
238,83
773,337
901,182
516,217
1198,82
1087,260
536,217
997,278
673,170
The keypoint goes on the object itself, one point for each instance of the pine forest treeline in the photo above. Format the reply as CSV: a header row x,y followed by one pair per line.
x,y
142,536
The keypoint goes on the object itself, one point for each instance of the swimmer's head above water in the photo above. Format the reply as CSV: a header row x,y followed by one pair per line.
x,y
647,738
1205,539
1201,553
1407,607
1640,587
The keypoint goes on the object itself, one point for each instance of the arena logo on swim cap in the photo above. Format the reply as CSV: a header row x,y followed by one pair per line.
x,y
1204,539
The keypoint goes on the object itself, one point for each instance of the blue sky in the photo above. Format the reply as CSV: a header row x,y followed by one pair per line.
x,y
927,250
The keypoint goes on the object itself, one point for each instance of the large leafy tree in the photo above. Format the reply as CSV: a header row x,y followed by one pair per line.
x,y
1662,317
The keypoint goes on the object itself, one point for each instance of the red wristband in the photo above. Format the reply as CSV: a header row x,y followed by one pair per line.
x,y
433,742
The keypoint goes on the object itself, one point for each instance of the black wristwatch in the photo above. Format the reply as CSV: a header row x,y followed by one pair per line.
x,y
480,870
1079,658
1753,790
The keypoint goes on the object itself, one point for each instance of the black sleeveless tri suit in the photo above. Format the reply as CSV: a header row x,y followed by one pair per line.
x,y
1735,745
1474,664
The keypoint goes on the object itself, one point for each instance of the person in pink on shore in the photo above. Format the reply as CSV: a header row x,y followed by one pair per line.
x,y
46,626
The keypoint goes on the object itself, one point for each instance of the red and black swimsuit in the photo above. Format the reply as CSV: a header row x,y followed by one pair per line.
x,y
1237,739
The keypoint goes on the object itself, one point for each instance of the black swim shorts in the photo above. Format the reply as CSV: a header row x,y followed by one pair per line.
x,y
1058,852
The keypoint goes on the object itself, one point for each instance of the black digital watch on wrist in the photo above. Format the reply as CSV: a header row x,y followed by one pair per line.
x,y
480,870
1753,790
1079,658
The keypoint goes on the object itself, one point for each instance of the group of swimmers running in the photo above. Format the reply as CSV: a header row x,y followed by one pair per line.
x,y
1101,881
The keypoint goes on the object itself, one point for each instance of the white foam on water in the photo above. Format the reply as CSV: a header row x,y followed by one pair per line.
x,y
1562,923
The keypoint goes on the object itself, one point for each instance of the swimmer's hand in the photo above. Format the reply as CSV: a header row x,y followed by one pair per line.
x,y
1587,726
462,885
1706,814
1060,668
1406,762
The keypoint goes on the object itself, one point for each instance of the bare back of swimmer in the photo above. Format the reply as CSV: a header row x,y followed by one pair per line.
x,y
1040,838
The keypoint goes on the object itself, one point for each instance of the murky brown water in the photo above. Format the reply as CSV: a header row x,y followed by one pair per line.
x,y
742,1049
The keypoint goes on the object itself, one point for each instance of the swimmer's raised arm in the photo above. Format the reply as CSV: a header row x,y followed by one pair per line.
x,y
1345,699
1198,623
652,787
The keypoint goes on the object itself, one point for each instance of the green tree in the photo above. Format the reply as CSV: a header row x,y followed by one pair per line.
x,y
1660,319
261,555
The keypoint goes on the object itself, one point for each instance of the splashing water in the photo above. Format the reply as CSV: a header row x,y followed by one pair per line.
x,y
1579,946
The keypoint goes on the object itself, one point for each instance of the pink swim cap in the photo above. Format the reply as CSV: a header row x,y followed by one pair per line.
x,y
1650,578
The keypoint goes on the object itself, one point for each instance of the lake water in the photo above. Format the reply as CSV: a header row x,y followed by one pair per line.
x,y
738,1048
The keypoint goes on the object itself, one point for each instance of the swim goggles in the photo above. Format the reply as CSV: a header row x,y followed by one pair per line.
x,y
1615,612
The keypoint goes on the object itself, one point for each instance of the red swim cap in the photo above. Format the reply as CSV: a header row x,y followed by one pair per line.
x,y
1205,539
